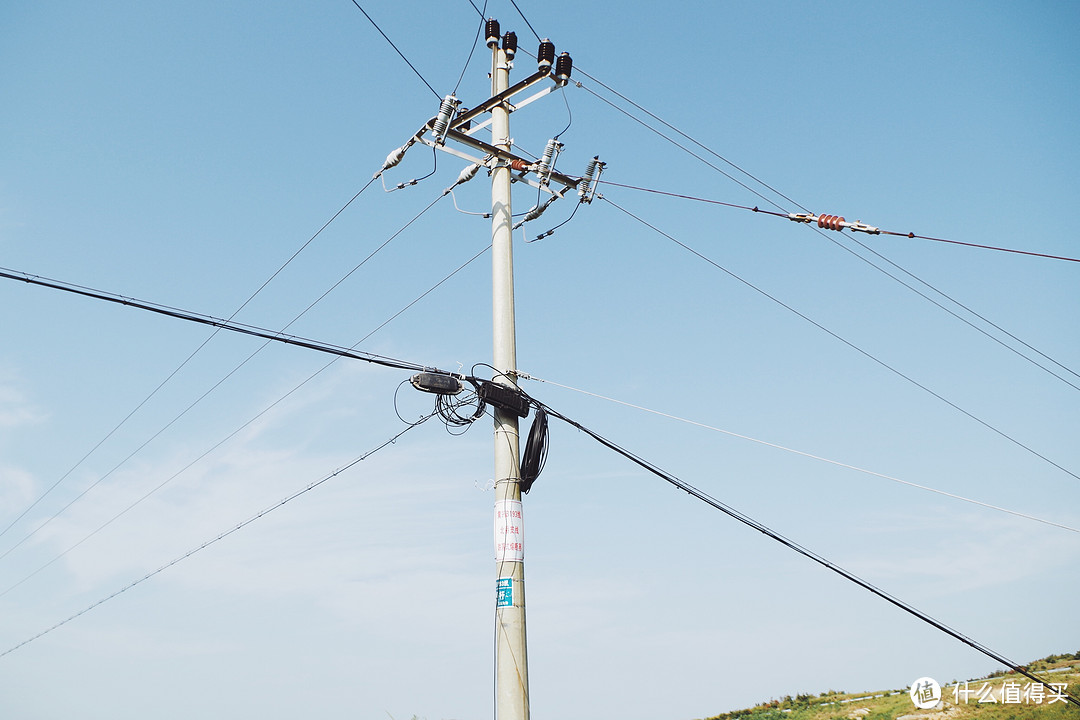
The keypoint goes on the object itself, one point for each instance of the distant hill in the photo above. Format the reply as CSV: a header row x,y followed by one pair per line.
x,y
998,696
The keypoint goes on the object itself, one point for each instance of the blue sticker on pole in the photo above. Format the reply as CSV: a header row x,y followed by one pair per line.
x,y
504,592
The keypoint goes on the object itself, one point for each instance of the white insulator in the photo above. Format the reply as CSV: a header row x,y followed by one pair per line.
x,y
468,174
547,160
586,179
442,120
395,157
587,184
536,212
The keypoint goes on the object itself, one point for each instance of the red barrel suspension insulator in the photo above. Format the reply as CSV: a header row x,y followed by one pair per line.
x,y
830,222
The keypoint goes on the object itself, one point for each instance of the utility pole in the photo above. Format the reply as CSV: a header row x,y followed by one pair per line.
x,y
511,657
451,129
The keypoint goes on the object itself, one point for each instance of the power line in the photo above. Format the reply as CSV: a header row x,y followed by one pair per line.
x,y
805,552
964,320
674,142
227,376
818,230
228,437
531,28
472,49
221,536
178,369
413,67
526,376
875,231
243,329
841,339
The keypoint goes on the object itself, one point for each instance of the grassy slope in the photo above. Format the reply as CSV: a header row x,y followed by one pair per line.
x,y
892,704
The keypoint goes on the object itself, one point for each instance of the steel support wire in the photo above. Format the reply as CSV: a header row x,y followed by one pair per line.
x,y
221,442
221,536
850,344
819,231
805,552
882,270
184,363
220,325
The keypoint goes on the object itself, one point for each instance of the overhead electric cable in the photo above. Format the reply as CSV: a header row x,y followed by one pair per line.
x,y
704,147
841,339
199,318
385,37
814,219
819,231
221,536
198,400
527,376
472,49
181,365
531,28
677,144
237,431
934,302
805,552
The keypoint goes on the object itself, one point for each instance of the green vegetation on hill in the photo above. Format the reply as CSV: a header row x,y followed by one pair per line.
x,y
998,696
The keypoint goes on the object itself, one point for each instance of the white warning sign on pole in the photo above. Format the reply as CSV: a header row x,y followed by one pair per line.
x,y
509,531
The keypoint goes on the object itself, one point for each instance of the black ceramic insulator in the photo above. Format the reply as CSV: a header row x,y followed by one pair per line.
x,y
510,44
563,66
491,30
545,56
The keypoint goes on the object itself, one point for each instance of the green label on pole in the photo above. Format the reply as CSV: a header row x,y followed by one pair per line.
x,y
504,592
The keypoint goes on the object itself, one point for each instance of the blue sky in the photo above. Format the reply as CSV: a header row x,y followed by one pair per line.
x,y
180,154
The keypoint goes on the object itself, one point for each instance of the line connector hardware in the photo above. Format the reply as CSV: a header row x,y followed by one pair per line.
x,y
437,383
507,399
833,222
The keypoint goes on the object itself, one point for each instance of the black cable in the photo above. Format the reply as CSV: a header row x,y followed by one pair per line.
x,y
221,536
550,232
228,437
676,143
851,345
472,48
538,38
214,387
413,67
785,197
536,450
962,319
792,545
182,364
691,139
271,335
569,114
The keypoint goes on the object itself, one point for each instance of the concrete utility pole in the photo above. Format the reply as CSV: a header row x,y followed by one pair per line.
x,y
511,659
450,130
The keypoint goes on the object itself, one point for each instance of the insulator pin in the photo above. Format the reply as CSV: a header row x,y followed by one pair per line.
x,y
442,121
545,56
491,33
509,44
563,67
519,165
